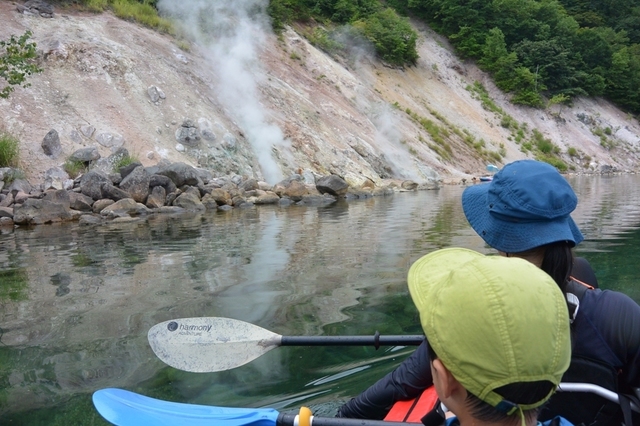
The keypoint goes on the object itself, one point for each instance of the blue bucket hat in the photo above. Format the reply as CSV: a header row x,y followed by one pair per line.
x,y
526,205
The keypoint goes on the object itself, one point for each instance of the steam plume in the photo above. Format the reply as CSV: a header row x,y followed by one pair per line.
x,y
232,33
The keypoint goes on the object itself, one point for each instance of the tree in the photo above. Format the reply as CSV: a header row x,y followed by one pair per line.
x,y
392,36
552,61
527,88
623,79
17,61
493,50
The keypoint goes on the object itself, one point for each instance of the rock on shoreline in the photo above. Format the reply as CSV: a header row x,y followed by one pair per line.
x,y
97,196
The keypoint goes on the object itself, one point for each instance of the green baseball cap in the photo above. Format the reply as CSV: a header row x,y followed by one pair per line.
x,y
492,321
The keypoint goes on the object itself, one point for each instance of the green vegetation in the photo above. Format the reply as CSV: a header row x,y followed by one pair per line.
x,y
437,133
537,50
444,136
17,62
95,5
554,161
74,168
142,11
392,36
322,39
123,162
9,150
530,141
333,21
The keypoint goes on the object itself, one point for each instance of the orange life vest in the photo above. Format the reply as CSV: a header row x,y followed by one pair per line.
x,y
413,410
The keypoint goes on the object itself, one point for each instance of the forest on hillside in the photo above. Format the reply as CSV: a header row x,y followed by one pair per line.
x,y
539,51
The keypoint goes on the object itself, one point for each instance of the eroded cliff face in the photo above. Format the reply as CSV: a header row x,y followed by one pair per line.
x,y
284,107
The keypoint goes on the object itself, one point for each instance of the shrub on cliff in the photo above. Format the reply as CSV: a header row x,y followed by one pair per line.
x,y
8,150
392,36
124,161
74,168
17,61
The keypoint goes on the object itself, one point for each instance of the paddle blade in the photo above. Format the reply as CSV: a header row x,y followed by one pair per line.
x,y
124,408
492,168
202,345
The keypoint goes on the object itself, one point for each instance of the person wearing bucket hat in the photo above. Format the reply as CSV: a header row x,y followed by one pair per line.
x,y
525,212
498,331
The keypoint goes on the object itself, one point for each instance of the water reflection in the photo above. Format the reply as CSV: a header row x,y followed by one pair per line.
x,y
77,302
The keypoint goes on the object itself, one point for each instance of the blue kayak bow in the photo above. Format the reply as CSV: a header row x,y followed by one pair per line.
x,y
125,408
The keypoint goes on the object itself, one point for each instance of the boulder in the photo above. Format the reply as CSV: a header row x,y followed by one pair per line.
x,y
20,185
125,207
91,184
85,155
181,174
333,185
113,193
36,7
57,178
163,181
80,202
189,201
188,134
51,143
36,212
266,198
101,204
136,183
157,197
59,196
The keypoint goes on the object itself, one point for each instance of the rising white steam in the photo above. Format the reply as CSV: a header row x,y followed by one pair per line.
x,y
388,138
232,32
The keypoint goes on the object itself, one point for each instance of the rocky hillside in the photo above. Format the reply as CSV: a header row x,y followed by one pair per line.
x,y
265,106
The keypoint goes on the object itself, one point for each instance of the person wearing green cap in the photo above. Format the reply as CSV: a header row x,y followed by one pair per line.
x,y
498,333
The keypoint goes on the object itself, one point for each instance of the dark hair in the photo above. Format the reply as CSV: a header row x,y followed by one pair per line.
x,y
524,392
519,393
557,262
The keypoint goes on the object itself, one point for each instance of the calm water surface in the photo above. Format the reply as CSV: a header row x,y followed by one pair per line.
x,y
76,303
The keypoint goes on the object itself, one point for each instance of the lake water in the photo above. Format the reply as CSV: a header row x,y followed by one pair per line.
x,y
76,303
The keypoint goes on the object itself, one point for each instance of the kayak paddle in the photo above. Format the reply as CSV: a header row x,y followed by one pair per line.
x,y
209,344
125,408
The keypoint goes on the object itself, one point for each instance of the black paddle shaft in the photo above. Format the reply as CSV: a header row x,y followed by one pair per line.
x,y
289,420
376,340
